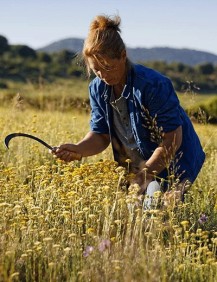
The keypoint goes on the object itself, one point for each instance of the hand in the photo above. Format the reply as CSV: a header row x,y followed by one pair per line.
x,y
67,152
143,180
171,198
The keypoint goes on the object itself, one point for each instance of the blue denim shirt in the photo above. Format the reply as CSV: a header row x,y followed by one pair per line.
x,y
146,88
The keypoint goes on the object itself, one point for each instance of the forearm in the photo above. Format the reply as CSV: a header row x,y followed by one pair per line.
x,y
157,162
92,144
165,153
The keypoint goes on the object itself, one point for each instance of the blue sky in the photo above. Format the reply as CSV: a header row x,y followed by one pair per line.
x,y
145,23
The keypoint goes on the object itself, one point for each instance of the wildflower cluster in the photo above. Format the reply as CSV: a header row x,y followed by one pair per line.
x,y
80,222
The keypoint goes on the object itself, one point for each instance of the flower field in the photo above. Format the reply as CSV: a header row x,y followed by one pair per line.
x,y
79,222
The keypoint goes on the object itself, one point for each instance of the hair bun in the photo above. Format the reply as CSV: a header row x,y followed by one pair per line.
x,y
104,22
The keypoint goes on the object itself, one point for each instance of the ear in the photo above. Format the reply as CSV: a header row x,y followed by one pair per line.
x,y
123,54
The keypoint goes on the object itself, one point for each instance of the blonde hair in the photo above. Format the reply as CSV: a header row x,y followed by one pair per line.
x,y
103,39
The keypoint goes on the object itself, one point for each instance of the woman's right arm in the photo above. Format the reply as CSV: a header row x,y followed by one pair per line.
x,y
92,144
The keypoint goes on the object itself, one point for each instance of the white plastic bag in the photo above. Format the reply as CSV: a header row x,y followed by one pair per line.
x,y
153,187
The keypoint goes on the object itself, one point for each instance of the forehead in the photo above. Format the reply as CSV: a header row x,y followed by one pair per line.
x,y
101,62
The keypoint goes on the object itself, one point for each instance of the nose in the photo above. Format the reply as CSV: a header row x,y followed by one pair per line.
x,y
102,74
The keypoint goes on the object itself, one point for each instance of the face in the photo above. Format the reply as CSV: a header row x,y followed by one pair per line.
x,y
111,71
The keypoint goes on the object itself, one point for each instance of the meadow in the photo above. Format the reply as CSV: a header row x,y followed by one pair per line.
x,y
78,221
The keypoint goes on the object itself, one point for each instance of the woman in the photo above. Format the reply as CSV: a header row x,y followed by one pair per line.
x,y
137,110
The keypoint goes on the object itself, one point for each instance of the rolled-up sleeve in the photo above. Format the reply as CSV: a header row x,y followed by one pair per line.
x,y
164,104
98,121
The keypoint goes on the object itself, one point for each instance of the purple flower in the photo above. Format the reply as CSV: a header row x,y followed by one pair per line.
x,y
88,251
203,219
104,244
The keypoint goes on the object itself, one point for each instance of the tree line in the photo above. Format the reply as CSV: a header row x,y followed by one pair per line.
x,y
22,63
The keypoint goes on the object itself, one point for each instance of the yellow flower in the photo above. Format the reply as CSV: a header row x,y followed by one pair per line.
x,y
51,265
185,223
90,230
117,221
48,239
80,222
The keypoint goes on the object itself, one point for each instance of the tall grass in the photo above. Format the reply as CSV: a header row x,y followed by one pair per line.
x,y
78,221
64,94
60,95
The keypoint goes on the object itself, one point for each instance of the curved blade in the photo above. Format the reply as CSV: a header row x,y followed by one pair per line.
x,y
12,135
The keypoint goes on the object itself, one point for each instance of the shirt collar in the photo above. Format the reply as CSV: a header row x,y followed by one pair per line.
x,y
127,88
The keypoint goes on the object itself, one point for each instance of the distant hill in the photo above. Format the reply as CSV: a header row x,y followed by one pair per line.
x,y
168,55
70,44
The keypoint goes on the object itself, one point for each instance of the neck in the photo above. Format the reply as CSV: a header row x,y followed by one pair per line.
x,y
118,88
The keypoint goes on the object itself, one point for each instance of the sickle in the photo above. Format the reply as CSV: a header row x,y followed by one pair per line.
x,y
12,135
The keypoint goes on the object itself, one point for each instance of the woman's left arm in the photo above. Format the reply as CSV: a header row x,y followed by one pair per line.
x,y
160,158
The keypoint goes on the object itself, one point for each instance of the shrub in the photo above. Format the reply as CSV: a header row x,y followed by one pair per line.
x,y
3,44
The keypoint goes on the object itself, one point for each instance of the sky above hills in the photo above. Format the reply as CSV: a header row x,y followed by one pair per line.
x,y
161,23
